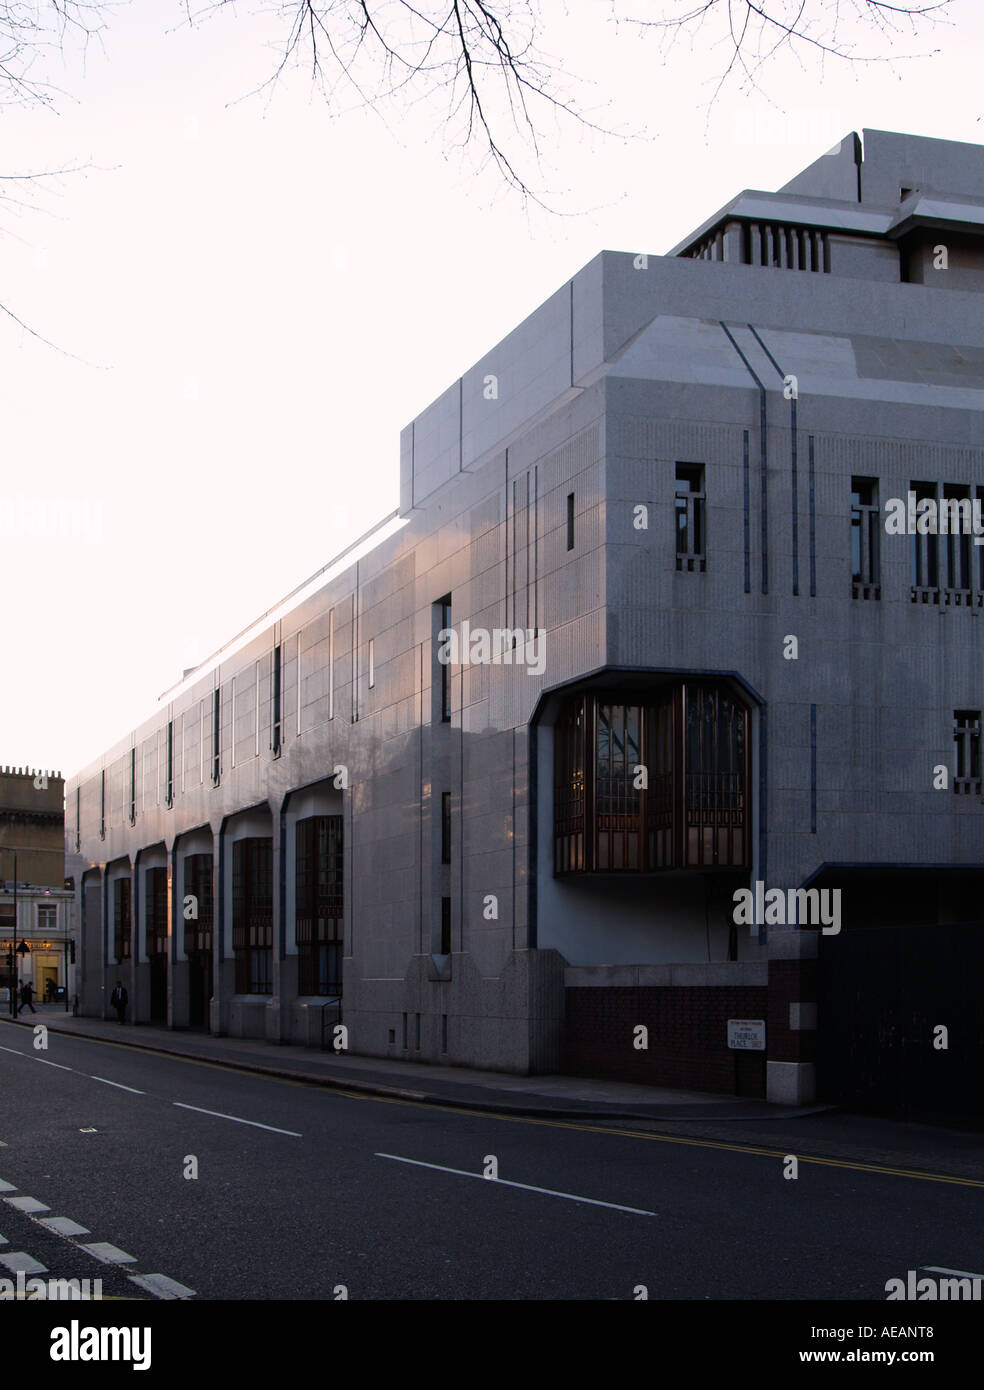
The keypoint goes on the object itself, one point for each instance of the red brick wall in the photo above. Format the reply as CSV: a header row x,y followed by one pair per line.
x,y
688,1036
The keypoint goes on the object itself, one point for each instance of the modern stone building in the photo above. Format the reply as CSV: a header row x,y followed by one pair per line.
x,y
669,488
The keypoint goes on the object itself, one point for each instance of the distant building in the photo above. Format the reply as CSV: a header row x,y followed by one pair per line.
x,y
32,824
32,841
689,661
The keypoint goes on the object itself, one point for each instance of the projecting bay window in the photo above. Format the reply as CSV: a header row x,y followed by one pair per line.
x,y
865,531
967,742
252,914
319,896
956,543
657,783
122,922
925,554
689,505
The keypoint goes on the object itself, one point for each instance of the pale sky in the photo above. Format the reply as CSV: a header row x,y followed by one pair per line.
x,y
258,294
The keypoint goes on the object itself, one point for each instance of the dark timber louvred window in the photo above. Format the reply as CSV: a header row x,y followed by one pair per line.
x,y
252,915
318,865
657,782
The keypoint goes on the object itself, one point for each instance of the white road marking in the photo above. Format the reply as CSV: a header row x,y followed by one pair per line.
x,y
119,1086
26,1204
161,1286
64,1226
7,1186
109,1254
20,1260
960,1273
219,1115
14,1051
4,1240
53,1064
527,1187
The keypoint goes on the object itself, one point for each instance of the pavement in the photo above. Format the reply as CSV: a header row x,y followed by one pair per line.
x,y
563,1097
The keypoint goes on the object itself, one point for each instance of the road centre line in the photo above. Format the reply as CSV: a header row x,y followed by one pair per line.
x,y
59,1065
527,1187
961,1273
118,1084
219,1115
779,1154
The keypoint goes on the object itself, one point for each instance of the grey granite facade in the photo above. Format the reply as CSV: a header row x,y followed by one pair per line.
x,y
801,349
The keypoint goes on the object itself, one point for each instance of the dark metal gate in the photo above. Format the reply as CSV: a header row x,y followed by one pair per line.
x,y
883,993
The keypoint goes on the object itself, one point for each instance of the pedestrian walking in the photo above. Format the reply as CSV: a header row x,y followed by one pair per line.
x,y
118,1001
27,997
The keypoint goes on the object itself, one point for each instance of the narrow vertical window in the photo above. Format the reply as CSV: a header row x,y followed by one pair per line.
x,y
445,926
169,774
256,709
865,521
216,712
331,664
372,662
232,724
445,827
444,649
967,746
78,819
133,785
444,1032
275,694
201,740
689,504
102,805
925,574
570,521
956,528
298,678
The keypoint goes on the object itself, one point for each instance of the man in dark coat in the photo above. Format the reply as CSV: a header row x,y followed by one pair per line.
x,y
27,997
118,1001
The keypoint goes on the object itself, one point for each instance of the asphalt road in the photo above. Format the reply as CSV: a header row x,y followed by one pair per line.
x,y
302,1193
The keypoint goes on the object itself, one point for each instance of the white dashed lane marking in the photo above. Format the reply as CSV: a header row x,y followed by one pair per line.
x,y
19,1260
119,1086
64,1226
161,1286
28,1204
109,1254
